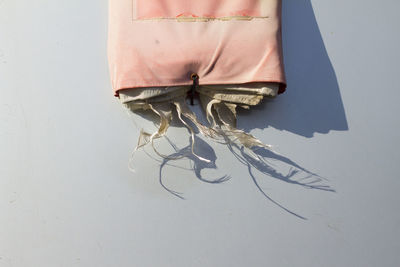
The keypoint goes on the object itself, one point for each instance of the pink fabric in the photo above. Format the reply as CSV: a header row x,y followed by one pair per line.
x,y
150,46
204,8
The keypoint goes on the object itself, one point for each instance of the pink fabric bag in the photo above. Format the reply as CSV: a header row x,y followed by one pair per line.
x,y
229,52
163,42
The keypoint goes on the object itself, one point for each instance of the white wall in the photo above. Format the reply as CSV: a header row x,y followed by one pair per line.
x,y
67,197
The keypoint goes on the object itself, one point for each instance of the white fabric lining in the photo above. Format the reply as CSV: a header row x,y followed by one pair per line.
x,y
218,101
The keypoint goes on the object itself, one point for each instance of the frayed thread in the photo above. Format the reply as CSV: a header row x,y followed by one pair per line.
x,y
221,117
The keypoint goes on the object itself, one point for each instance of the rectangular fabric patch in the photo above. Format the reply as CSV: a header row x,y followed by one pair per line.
x,y
201,9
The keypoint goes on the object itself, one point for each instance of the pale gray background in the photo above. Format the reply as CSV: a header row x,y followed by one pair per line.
x,y
67,197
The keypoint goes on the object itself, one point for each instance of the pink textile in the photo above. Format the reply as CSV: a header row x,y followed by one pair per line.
x,y
204,8
223,41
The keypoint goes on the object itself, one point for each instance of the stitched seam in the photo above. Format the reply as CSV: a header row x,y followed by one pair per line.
x,y
192,19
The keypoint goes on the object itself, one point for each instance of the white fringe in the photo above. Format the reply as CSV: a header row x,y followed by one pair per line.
x,y
220,107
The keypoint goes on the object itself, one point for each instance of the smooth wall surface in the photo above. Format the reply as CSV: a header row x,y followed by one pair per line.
x,y
67,197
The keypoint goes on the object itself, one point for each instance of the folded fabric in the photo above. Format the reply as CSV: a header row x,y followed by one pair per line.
x,y
228,52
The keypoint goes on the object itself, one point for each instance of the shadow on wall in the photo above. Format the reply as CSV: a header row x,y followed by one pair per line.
x,y
312,102
255,160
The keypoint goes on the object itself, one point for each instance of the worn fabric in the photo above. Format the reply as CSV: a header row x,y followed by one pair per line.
x,y
233,47
218,101
162,42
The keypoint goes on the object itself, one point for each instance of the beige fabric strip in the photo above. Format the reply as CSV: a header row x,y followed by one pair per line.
x,y
218,101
